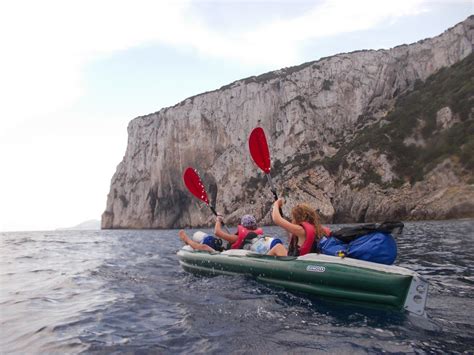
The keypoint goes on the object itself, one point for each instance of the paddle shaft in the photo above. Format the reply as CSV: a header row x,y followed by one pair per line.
x,y
273,189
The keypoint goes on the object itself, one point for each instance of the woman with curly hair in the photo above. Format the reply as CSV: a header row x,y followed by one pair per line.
x,y
305,230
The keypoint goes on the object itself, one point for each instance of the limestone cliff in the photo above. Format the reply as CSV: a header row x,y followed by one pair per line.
x,y
314,115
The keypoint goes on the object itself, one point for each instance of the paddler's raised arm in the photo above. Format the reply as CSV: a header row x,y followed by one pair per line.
x,y
283,223
218,232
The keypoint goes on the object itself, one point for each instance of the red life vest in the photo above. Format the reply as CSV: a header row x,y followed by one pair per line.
x,y
307,247
242,233
309,230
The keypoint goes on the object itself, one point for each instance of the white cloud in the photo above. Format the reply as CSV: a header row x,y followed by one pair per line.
x,y
46,43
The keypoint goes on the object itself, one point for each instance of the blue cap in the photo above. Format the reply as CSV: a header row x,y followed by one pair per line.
x,y
248,221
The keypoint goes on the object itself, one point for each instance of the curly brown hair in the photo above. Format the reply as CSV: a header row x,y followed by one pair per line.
x,y
305,213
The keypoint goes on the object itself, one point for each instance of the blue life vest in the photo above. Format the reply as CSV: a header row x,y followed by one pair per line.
x,y
376,247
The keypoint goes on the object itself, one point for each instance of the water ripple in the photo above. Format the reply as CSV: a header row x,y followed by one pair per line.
x,y
123,291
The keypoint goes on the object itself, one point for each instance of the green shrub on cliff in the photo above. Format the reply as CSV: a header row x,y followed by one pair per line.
x,y
414,115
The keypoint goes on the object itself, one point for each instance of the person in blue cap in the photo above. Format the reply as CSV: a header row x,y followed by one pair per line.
x,y
246,230
246,237
205,242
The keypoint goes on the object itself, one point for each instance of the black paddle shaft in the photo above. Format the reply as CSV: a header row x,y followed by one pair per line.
x,y
273,189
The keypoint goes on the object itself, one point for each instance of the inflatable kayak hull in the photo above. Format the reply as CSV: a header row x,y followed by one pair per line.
x,y
327,276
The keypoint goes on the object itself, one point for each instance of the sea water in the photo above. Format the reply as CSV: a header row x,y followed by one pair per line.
x,y
123,291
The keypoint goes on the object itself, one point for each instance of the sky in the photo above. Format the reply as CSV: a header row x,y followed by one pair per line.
x,y
73,74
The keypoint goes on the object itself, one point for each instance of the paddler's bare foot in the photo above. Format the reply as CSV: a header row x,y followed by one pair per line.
x,y
183,236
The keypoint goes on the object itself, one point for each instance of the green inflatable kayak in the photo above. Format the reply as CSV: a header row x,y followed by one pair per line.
x,y
333,277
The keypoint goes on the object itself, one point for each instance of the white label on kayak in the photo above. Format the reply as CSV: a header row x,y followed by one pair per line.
x,y
315,268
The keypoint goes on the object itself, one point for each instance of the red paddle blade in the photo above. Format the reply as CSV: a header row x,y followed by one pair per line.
x,y
193,183
259,149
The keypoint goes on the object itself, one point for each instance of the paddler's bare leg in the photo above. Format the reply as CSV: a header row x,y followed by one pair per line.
x,y
196,246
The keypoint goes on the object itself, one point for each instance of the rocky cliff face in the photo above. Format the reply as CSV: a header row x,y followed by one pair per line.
x,y
311,114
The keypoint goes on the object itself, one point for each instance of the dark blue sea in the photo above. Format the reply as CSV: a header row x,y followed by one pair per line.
x,y
123,291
